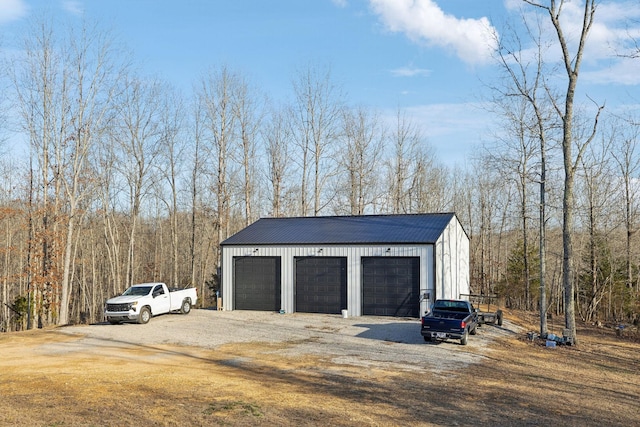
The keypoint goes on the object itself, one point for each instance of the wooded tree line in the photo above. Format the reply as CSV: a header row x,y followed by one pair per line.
x,y
126,179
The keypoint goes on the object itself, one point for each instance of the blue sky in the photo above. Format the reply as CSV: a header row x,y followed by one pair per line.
x,y
428,57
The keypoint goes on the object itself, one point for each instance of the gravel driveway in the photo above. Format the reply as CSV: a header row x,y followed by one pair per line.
x,y
368,341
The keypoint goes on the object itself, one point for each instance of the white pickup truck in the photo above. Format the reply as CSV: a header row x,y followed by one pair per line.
x,y
140,302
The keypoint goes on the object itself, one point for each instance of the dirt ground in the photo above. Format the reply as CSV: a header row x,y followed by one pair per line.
x,y
516,382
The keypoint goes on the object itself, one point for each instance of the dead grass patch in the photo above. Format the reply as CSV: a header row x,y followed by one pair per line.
x,y
519,382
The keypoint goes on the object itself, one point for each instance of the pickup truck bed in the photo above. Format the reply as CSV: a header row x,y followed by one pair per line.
x,y
450,319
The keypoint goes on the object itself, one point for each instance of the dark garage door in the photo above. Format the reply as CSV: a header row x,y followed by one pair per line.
x,y
257,283
391,286
321,284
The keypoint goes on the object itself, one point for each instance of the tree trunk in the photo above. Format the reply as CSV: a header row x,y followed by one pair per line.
x,y
572,64
543,239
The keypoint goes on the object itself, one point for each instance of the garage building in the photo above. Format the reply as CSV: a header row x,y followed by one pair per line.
x,y
385,265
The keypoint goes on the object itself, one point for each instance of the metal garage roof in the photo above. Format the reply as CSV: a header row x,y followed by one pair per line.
x,y
366,229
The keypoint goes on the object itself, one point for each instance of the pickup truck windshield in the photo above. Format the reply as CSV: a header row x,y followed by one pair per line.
x,y
137,290
451,306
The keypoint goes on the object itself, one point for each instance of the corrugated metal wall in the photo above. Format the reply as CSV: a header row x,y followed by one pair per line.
x,y
354,273
452,262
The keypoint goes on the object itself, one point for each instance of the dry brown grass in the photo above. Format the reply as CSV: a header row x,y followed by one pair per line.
x,y
518,383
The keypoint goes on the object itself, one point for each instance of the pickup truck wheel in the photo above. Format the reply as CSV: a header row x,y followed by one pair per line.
x,y
499,316
145,315
474,330
427,338
185,308
465,337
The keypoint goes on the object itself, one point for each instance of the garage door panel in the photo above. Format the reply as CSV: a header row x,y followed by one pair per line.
x,y
321,284
391,286
257,283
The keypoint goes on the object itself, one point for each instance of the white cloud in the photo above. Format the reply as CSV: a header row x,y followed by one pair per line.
x,y
10,10
514,5
615,29
625,71
410,72
422,21
613,34
340,3
73,6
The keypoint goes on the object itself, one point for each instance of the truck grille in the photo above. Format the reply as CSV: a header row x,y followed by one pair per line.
x,y
117,307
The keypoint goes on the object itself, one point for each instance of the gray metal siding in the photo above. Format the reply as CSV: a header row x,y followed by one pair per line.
x,y
452,262
353,254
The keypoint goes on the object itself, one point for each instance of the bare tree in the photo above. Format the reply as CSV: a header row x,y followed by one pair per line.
x,y
524,77
194,184
35,79
249,117
91,72
171,163
109,208
627,158
317,108
405,141
138,135
4,101
572,62
203,230
597,187
63,87
216,91
278,139
430,183
360,159
515,157
13,226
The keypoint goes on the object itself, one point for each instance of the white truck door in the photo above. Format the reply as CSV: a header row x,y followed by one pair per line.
x,y
161,300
